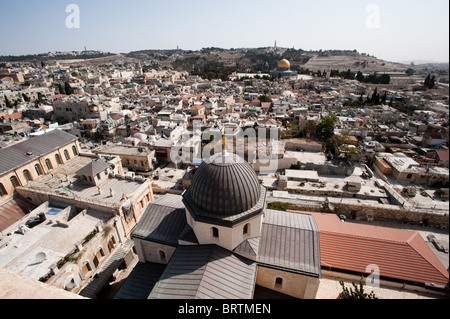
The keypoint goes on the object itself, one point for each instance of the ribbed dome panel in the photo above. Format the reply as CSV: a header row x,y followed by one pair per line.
x,y
226,186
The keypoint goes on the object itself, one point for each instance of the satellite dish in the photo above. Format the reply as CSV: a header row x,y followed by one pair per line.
x,y
40,257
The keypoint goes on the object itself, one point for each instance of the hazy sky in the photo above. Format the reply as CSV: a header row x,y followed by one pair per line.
x,y
394,30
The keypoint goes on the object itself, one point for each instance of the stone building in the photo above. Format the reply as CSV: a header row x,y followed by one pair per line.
x,y
26,161
135,158
220,232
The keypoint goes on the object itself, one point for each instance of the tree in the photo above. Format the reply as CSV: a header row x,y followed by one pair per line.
x,y
360,76
430,81
410,71
40,98
7,102
325,129
375,97
356,292
68,88
384,98
61,89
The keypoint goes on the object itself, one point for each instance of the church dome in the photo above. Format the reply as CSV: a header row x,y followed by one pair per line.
x,y
225,186
284,64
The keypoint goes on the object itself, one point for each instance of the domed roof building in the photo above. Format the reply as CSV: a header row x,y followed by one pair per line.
x,y
218,240
225,202
226,186
283,70
284,64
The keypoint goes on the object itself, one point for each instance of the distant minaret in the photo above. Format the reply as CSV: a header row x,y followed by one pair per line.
x,y
275,46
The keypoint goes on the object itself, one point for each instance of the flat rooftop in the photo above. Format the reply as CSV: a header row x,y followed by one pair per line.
x,y
51,240
303,175
63,181
115,149
307,157
330,184
14,286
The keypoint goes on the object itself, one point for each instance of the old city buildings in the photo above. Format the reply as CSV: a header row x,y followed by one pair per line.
x,y
114,182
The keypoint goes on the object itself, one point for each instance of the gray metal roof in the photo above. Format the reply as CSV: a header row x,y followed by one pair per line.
x,y
227,185
140,281
99,281
16,155
248,247
206,272
290,241
203,216
163,221
93,168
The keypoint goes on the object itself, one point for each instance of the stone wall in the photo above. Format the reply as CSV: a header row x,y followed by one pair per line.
x,y
380,212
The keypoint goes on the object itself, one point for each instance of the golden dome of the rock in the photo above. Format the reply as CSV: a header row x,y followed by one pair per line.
x,y
284,64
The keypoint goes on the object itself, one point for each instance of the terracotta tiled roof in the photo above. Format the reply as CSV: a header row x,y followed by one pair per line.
x,y
58,96
197,107
196,117
13,116
443,155
13,210
399,254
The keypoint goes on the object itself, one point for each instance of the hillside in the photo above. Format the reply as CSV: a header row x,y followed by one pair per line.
x,y
265,59
55,56
220,63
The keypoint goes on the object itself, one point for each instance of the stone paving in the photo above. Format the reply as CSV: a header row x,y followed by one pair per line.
x,y
330,288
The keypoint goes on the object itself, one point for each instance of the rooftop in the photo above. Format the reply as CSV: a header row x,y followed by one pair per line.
x,y
399,254
63,182
15,286
53,239
290,241
27,151
115,149
206,272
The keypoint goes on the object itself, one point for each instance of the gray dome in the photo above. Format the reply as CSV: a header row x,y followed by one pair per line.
x,y
225,186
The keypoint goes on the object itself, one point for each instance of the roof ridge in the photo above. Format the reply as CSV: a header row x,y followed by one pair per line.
x,y
211,250
413,237
363,236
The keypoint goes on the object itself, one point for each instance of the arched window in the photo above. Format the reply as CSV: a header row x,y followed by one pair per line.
x,y
3,190
86,268
58,159
111,243
27,175
278,282
246,229
74,150
215,232
162,256
66,155
100,253
49,164
38,169
14,181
